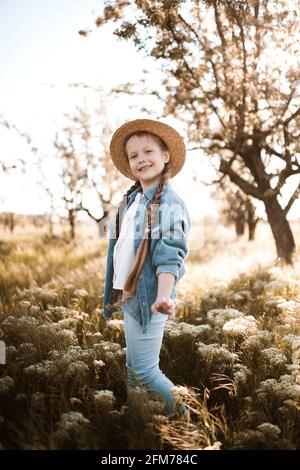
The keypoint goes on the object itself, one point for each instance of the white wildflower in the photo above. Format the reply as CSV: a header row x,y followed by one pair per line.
x,y
110,355
38,401
294,369
182,330
114,329
274,357
289,306
35,309
240,295
293,340
6,385
81,293
291,404
115,323
77,369
274,300
179,391
259,284
283,389
73,421
20,323
245,326
105,398
54,354
24,304
68,336
97,335
241,375
94,337
296,357
106,346
281,329
75,402
76,353
281,285
120,354
204,330
270,430
60,311
74,313
38,370
261,339
215,356
48,327
237,296
67,323
26,349
219,316
98,364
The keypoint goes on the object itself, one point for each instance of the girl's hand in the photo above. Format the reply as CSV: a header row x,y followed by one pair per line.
x,y
163,305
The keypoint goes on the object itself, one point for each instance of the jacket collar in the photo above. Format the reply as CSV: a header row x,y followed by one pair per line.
x,y
148,193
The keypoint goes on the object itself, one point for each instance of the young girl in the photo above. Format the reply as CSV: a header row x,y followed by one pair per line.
x,y
147,246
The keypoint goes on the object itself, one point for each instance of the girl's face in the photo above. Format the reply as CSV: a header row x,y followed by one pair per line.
x,y
146,160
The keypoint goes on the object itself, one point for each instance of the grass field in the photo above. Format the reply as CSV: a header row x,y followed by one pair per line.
x,y
233,349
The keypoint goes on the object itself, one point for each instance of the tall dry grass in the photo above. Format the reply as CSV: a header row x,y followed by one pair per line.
x,y
233,349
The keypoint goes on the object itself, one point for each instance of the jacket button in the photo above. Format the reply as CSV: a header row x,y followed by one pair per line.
x,y
141,277
144,303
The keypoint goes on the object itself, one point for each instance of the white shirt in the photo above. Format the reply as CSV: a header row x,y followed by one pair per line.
x,y
124,255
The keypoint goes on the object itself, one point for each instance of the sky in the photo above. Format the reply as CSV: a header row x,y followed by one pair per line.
x,y
41,54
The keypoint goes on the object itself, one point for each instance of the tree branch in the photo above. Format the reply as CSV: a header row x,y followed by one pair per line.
x,y
292,116
235,178
294,196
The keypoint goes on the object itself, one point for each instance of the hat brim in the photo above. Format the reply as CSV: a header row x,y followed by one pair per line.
x,y
167,133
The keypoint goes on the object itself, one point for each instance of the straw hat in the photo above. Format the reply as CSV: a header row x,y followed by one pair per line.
x,y
169,135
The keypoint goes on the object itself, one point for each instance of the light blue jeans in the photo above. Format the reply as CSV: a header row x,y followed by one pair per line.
x,y
142,359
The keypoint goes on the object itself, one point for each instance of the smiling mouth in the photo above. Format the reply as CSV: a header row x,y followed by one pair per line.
x,y
145,168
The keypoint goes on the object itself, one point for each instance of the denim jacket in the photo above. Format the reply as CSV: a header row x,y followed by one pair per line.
x,y
168,248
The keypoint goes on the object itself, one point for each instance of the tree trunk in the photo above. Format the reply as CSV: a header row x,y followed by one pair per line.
x,y
281,229
251,229
239,227
240,222
11,222
251,219
72,223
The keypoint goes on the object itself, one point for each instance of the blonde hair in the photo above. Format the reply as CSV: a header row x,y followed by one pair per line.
x,y
119,297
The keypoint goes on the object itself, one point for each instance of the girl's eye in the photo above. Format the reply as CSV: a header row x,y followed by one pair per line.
x,y
147,151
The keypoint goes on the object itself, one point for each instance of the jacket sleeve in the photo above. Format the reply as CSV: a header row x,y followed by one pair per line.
x,y
172,247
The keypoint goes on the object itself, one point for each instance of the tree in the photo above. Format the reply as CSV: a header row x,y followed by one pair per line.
x,y
18,162
86,165
231,74
237,208
252,218
71,174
